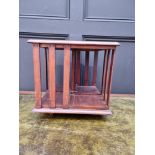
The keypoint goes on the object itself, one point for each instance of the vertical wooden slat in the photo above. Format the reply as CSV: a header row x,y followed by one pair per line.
x,y
52,81
110,76
106,73
46,67
66,95
73,70
103,73
78,67
37,75
95,67
86,68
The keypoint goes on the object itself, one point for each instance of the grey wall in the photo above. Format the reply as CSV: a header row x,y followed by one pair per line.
x,y
79,20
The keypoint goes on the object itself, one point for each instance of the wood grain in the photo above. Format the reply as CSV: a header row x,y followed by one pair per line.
x,y
66,93
37,75
52,73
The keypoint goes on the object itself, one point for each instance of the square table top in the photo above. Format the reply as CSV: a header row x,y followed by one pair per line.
x,y
70,42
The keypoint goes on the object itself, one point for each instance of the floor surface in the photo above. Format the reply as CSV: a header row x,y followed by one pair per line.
x,y
45,134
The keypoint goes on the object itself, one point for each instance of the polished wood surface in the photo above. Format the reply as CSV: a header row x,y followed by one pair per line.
x,y
37,75
73,42
66,79
52,80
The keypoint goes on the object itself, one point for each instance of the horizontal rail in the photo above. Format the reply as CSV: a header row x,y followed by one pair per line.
x,y
29,92
90,47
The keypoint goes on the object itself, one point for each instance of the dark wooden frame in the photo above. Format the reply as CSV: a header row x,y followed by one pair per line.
x,y
73,98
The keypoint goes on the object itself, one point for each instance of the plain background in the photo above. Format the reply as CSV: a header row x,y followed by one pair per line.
x,y
104,20
145,77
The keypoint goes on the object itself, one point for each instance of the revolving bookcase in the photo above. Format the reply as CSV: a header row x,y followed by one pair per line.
x,y
75,97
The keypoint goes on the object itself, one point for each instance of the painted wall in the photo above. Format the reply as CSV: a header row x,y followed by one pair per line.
x,y
79,20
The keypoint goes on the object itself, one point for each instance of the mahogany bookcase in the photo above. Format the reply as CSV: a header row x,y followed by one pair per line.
x,y
74,97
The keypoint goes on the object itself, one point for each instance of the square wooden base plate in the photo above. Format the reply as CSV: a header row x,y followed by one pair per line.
x,y
72,111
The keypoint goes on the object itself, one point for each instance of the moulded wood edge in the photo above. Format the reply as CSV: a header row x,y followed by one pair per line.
x,y
72,111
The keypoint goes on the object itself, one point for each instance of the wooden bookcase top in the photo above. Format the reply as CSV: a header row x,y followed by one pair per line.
x,y
69,42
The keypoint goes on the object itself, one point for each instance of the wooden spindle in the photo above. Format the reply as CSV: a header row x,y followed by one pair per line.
x,y
106,73
78,67
46,67
110,76
66,95
73,70
103,72
52,81
95,68
37,75
86,68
